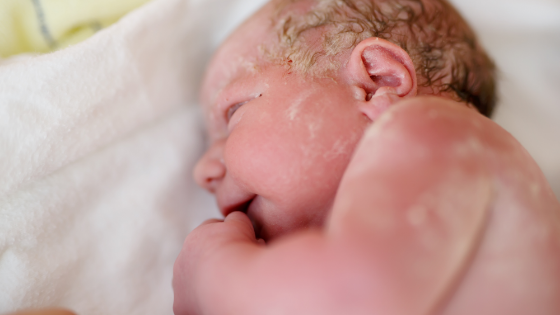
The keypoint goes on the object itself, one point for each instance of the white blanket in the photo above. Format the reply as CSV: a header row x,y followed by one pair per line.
x,y
97,145
98,141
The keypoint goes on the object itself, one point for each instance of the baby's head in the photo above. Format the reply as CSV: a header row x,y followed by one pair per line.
x,y
290,93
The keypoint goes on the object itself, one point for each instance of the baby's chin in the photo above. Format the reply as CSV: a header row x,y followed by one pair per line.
x,y
272,221
271,231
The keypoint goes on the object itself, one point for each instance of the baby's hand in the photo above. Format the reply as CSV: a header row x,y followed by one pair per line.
x,y
206,244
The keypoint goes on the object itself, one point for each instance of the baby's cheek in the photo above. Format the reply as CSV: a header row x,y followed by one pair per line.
x,y
266,142
259,158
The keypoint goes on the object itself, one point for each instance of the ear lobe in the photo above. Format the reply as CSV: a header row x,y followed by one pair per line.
x,y
382,73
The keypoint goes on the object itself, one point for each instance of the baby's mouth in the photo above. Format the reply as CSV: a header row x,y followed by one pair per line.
x,y
257,227
244,207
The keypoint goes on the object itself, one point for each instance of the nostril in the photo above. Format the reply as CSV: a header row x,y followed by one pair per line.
x,y
208,173
210,169
210,185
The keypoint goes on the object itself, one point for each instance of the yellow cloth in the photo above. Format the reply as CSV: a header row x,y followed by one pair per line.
x,y
47,25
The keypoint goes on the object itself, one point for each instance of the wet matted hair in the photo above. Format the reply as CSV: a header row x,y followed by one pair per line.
x,y
444,49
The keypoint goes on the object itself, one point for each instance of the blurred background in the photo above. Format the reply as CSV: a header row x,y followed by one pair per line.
x,y
523,37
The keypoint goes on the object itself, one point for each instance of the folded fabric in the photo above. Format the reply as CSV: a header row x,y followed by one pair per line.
x,y
97,146
45,25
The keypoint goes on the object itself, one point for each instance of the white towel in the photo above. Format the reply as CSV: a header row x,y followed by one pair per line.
x,y
97,145
98,141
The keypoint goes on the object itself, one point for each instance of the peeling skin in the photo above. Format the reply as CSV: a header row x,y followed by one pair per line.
x,y
471,146
289,127
338,148
294,109
313,128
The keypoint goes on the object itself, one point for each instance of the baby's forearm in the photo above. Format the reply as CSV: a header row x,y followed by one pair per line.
x,y
302,272
305,273
316,273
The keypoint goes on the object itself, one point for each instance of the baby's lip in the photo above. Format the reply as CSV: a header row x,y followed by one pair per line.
x,y
244,206
237,205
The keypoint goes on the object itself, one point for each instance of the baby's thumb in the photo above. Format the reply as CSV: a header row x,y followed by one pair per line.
x,y
242,225
417,198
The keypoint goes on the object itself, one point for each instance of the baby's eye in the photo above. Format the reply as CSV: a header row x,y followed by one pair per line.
x,y
233,109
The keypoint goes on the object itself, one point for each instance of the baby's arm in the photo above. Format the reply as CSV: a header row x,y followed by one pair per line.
x,y
419,199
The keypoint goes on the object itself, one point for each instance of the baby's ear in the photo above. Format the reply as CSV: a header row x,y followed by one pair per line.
x,y
381,73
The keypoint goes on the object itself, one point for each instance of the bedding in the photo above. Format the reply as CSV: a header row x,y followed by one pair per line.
x,y
98,141
46,25
97,144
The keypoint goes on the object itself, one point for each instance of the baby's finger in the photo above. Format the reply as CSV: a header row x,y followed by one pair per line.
x,y
242,222
210,221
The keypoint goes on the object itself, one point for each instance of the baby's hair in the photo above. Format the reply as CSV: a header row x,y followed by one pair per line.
x,y
445,52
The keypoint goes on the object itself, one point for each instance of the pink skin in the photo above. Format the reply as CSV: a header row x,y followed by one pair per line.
x,y
435,210
279,148
270,159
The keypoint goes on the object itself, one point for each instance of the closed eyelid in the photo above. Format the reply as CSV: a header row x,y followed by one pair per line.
x,y
232,109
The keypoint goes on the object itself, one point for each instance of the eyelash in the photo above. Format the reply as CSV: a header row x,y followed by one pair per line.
x,y
232,109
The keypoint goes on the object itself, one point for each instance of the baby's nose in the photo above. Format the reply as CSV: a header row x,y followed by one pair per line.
x,y
210,169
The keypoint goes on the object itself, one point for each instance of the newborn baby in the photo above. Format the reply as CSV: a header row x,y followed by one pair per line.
x,y
357,175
